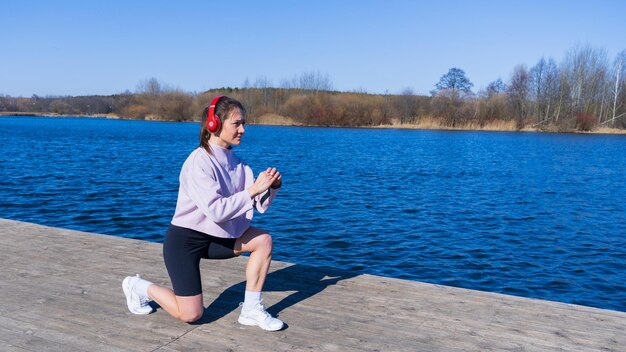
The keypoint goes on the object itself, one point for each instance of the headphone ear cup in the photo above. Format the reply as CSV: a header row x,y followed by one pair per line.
x,y
213,123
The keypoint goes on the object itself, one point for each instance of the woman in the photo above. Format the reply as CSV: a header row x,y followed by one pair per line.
x,y
216,198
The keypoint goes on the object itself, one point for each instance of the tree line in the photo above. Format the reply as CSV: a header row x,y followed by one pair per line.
x,y
584,91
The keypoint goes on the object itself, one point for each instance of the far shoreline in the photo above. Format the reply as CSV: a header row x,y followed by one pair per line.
x,y
427,124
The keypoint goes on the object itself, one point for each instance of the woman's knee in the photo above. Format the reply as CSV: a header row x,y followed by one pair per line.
x,y
190,308
191,315
265,242
256,240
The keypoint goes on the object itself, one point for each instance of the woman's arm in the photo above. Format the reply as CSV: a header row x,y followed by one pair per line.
x,y
205,191
269,181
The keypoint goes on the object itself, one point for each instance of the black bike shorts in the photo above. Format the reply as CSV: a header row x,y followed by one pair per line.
x,y
182,250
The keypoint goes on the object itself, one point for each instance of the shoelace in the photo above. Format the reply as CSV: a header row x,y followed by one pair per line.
x,y
143,301
261,309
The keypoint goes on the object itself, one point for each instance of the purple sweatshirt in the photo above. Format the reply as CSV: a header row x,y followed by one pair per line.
x,y
213,196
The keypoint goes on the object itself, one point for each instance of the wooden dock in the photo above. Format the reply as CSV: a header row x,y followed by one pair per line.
x,y
60,290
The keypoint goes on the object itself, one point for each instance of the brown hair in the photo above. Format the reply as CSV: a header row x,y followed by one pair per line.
x,y
223,109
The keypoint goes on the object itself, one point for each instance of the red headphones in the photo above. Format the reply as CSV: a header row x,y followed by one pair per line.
x,y
213,122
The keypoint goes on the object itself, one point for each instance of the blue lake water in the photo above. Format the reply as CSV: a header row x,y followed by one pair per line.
x,y
528,214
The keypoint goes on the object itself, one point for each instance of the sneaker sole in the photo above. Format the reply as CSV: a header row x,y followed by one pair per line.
x,y
127,293
250,322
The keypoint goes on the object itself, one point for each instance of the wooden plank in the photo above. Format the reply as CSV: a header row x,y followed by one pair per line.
x,y
61,291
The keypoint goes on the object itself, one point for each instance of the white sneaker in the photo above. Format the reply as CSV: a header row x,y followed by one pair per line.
x,y
136,303
259,317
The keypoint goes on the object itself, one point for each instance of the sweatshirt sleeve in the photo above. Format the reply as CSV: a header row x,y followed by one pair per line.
x,y
205,191
263,201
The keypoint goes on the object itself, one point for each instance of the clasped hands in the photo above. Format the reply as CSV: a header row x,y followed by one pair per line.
x,y
266,179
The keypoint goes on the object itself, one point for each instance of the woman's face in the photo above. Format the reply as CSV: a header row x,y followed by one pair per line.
x,y
232,129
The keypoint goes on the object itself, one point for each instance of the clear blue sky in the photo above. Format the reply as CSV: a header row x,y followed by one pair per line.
x,y
81,47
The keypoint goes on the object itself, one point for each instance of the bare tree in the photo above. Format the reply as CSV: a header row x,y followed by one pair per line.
x,y
544,88
585,70
247,97
492,103
407,105
455,81
495,87
263,84
150,90
619,73
451,90
537,77
150,86
313,81
551,89
518,93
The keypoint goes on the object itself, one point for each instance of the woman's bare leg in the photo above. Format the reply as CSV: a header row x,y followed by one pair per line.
x,y
190,308
184,308
259,243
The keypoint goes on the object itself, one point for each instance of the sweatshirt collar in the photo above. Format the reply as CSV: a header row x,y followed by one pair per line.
x,y
224,156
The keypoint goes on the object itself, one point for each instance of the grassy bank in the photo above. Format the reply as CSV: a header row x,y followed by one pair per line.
x,y
436,124
52,114
423,124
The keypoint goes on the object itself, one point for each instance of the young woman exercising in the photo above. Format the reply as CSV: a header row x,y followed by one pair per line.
x,y
216,200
